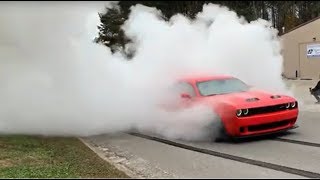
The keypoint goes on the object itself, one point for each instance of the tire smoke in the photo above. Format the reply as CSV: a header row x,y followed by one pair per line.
x,y
55,81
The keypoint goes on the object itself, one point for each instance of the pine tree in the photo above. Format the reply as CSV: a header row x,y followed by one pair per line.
x,y
110,32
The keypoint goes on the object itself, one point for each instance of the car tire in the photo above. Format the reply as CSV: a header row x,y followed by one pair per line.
x,y
222,135
219,136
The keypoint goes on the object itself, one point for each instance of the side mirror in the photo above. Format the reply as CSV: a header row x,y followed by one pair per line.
x,y
185,96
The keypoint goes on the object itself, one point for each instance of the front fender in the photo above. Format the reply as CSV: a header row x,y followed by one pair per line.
x,y
227,114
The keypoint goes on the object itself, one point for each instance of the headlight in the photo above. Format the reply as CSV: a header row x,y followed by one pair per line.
x,y
239,112
293,104
288,105
245,111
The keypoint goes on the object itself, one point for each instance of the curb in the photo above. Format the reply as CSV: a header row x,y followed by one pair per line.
x,y
120,167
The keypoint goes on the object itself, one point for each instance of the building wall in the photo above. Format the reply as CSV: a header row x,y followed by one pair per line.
x,y
295,52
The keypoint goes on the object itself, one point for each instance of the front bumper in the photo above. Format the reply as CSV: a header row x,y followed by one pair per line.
x,y
265,134
262,124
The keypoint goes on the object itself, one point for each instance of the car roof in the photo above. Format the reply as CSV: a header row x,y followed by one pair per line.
x,y
201,78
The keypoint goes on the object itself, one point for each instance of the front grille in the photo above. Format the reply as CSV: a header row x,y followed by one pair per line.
x,y
267,109
262,127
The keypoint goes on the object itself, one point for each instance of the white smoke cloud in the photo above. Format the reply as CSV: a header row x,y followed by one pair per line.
x,y
55,81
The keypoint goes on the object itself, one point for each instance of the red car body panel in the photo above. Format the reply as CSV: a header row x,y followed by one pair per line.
x,y
225,105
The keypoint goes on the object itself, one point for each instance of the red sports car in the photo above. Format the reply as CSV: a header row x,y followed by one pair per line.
x,y
243,110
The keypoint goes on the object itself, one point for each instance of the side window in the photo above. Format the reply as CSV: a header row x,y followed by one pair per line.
x,y
183,87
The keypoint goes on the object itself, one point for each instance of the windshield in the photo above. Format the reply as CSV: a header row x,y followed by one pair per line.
x,y
221,86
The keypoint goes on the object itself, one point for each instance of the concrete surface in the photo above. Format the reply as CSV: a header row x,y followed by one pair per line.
x,y
172,162
309,117
309,124
150,159
275,152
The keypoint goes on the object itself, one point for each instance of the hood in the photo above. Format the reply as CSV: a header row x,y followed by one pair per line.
x,y
251,99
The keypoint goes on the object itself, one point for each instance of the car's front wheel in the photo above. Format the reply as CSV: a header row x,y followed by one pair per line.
x,y
221,136
217,132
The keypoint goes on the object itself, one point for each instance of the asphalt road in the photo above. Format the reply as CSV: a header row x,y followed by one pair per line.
x,y
154,159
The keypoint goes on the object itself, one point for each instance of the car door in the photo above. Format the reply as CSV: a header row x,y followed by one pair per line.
x,y
183,89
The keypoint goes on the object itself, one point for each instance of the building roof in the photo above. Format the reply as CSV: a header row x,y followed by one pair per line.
x,y
303,24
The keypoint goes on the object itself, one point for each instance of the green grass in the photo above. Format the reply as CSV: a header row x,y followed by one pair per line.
x,y
47,157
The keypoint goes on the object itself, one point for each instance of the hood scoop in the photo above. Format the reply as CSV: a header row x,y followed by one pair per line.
x,y
275,97
252,99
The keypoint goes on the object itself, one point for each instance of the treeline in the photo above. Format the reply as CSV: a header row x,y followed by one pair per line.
x,y
282,14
